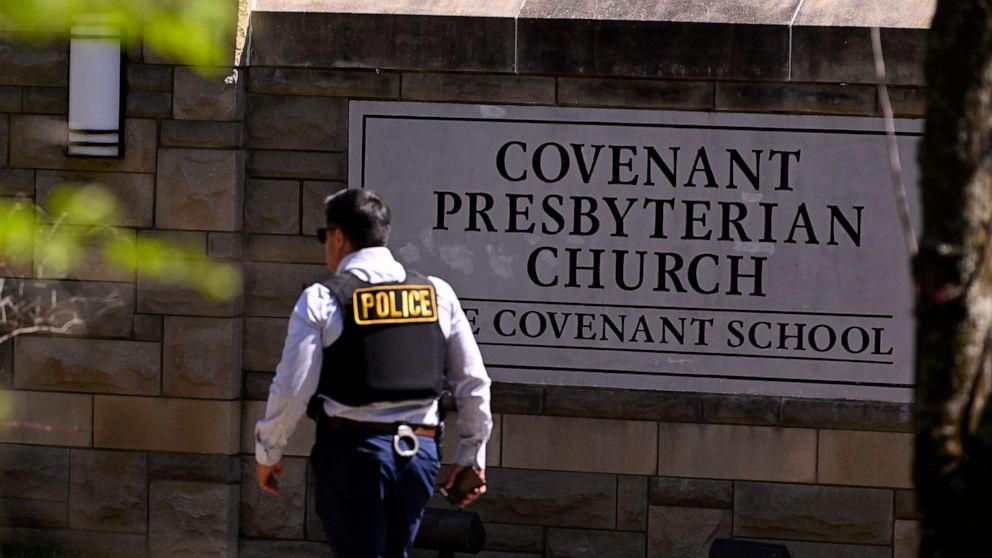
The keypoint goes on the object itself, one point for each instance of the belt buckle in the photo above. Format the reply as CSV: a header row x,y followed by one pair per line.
x,y
404,431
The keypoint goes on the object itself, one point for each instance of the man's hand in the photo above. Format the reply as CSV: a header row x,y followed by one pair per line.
x,y
471,496
267,477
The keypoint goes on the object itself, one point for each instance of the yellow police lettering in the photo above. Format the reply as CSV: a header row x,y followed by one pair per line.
x,y
381,304
394,304
415,303
406,303
368,301
425,302
394,311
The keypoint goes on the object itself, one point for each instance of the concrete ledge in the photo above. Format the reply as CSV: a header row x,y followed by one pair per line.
x,y
789,40
628,404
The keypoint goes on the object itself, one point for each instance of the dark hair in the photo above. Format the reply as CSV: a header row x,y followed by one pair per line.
x,y
361,215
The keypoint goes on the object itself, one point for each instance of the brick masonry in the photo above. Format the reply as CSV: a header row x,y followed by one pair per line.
x,y
136,434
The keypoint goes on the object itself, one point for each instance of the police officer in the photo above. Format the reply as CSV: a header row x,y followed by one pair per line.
x,y
369,352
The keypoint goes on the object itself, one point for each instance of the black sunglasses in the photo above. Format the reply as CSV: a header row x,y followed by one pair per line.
x,y
322,233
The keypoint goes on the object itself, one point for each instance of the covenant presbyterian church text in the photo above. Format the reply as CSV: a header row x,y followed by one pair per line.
x,y
652,185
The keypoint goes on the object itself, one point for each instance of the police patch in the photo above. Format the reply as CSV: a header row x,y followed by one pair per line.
x,y
395,304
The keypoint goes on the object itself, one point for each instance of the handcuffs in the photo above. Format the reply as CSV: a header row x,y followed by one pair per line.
x,y
404,432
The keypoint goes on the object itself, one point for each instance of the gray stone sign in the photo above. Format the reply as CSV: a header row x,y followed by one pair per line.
x,y
710,252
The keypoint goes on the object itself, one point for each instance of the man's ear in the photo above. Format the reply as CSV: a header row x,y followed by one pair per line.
x,y
342,241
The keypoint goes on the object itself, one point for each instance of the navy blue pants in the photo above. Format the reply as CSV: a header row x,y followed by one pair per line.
x,y
370,499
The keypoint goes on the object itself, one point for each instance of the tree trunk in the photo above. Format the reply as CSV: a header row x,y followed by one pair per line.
x,y
953,462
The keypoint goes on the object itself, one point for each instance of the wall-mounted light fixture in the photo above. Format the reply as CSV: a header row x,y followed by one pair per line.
x,y
95,93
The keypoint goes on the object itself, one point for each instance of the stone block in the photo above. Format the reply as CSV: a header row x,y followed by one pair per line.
x,y
264,339
91,265
737,452
579,444
162,424
296,164
845,55
479,88
32,513
147,327
193,519
17,182
813,513
273,206
135,193
517,398
271,289
312,203
906,504
450,443
199,189
66,542
54,419
797,98
635,93
622,404
581,543
314,527
605,47
632,503
257,386
852,13
102,309
514,538
285,249
156,298
715,11
5,137
685,532
225,246
690,493
341,40
194,242
146,77
262,548
851,415
331,83
46,100
906,540
555,499
34,64
34,472
802,549
201,357
908,102
10,98
39,141
204,97
274,516
865,458
109,491
149,104
87,365
6,365
742,409
295,122
225,469
300,443
203,135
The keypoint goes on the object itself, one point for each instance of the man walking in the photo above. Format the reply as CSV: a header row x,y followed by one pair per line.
x,y
367,355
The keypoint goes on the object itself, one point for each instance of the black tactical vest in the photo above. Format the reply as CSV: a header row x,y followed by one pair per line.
x,y
391,347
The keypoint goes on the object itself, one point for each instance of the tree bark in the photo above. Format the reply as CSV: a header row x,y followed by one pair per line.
x,y
953,271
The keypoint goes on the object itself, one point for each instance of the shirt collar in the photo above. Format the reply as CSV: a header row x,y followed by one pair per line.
x,y
373,265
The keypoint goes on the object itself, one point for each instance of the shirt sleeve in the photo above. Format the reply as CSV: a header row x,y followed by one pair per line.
x,y
470,382
297,374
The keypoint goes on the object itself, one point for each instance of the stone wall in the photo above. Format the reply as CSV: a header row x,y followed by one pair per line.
x,y
137,437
